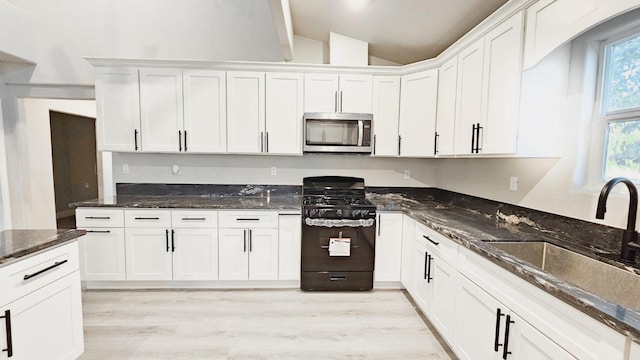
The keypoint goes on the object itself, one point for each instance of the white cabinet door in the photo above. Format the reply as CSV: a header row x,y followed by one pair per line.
x,y
205,111
356,94
421,289
195,254
501,87
102,254
47,323
386,112
284,109
635,351
245,112
418,113
148,254
527,343
446,117
263,254
321,93
388,247
233,258
289,237
443,290
469,95
476,335
406,272
118,109
161,109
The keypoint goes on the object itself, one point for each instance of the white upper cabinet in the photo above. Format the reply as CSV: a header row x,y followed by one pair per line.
x,y
338,93
501,87
118,109
245,112
161,112
469,96
418,113
386,113
446,116
205,111
284,110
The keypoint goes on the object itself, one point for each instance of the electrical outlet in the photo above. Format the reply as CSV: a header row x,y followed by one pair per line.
x,y
407,174
513,183
175,169
125,168
274,170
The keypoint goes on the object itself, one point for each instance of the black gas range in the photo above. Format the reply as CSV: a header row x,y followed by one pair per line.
x,y
338,234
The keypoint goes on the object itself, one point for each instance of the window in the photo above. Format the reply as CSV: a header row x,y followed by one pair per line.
x,y
621,107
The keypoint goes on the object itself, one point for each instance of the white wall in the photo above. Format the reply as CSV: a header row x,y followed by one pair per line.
x,y
68,30
16,33
30,169
309,51
246,169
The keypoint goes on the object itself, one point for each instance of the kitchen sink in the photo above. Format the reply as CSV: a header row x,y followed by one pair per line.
x,y
607,281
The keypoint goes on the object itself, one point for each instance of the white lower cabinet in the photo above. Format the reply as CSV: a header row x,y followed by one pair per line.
x,y
102,254
444,279
635,351
171,245
487,329
388,247
289,246
406,267
248,254
43,313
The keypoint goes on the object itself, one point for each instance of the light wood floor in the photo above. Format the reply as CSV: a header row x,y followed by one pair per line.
x,y
255,324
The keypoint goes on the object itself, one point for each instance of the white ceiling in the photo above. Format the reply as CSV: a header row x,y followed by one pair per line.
x,y
403,31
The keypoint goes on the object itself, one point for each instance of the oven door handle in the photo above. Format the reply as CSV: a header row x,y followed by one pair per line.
x,y
330,223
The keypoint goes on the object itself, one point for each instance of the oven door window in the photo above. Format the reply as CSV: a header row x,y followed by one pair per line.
x,y
332,132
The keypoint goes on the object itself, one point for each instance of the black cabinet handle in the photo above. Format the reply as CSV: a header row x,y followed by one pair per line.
x,y
266,141
379,225
135,139
166,236
185,140
433,242
247,219
193,219
374,144
7,326
399,144
496,340
473,138
261,141
435,144
97,217
147,218
99,231
478,148
179,140
55,265
429,278
250,241
173,244
245,241
426,262
337,277
505,350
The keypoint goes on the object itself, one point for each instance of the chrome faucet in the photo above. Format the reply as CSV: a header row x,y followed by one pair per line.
x,y
630,235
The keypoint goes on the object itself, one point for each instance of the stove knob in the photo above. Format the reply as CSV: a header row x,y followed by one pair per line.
x,y
339,212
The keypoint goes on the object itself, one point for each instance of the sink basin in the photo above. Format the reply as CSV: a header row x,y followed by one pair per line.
x,y
608,282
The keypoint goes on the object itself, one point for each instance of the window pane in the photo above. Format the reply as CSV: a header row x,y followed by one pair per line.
x,y
623,150
623,78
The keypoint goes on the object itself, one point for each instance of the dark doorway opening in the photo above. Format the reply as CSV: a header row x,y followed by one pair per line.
x,y
75,173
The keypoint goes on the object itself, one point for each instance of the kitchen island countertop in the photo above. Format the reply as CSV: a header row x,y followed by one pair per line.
x,y
16,245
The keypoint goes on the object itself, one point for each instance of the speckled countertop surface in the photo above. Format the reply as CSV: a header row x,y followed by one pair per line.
x,y
472,222
18,244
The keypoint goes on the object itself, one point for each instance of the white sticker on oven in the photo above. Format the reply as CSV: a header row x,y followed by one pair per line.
x,y
339,247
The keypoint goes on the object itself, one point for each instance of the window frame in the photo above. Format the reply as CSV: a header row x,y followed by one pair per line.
x,y
603,116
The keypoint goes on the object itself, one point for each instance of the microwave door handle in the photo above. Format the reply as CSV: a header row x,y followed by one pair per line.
x,y
360,131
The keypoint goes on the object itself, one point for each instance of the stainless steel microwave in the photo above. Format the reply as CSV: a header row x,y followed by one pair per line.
x,y
338,132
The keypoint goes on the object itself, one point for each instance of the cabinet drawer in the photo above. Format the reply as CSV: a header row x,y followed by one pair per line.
x,y
32,273
248,219
437,243
90,217
194,219
147,218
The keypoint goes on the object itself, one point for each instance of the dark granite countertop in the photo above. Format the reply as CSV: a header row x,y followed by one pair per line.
x,y
292,202
18,244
